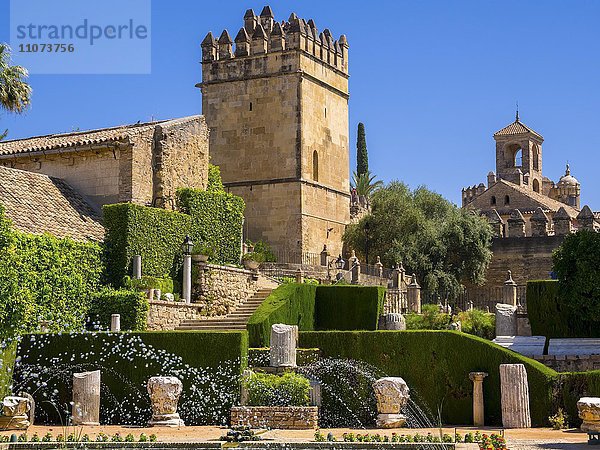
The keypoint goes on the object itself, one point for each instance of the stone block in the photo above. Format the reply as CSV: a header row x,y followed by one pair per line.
x,y
577,346
525,345
589,411
506,320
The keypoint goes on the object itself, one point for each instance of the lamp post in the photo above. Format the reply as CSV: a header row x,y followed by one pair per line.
x,y
339,265
187,248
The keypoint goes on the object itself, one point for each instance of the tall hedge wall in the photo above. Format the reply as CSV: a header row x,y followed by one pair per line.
x,y
216,219
348,307
314,307
154,233
292,304
436,366
45,278
547,313
131,305
573,386
208,364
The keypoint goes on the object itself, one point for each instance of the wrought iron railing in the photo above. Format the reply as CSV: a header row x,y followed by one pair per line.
x,y
294,257
479,298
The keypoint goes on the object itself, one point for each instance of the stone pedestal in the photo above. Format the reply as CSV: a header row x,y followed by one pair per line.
x,y
164,395
515,396
284,339
15,413
86,398
509,291
478,407
392,321
137,267
392,395
506,320
589,412
413,296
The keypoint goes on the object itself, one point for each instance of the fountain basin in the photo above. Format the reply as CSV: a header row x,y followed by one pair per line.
x,y
281,417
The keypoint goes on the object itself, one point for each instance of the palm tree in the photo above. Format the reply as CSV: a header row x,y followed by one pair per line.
x,y
15,93
365,185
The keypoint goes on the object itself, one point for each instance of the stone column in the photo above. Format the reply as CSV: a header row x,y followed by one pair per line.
x,y
137,267
86,398
509,291
299,276
187,279
379,265
284,339
515,396
115,323
478,408
506,320
413,295
164,395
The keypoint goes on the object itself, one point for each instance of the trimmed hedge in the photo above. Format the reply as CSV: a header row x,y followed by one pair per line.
x,y
209,365
45,278
572,386
217,219
348,307
313,307
292,304
287,389
261,357
436,366
548,314
154,233
132,305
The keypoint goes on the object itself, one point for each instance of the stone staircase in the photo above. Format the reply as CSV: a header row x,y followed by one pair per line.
x,y
236,320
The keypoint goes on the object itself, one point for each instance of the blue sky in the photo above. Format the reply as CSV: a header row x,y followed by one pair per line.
x,y
431,80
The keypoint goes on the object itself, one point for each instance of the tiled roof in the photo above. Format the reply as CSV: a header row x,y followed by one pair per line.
x,y
517,127
36,203
546,202
80,138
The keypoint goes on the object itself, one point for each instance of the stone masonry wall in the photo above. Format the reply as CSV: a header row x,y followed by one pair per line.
x,y
280,417
571,363
165,316
218,290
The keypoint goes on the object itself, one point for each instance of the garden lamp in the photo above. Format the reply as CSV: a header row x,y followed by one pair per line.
x,y
188,245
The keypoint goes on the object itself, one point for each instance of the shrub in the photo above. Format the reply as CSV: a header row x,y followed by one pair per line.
x,y
254,256
430,319
436,364
215,183
45,278
164,284
132,305
208,364
478,323
263,248
216,217
289,389
7,362
154,233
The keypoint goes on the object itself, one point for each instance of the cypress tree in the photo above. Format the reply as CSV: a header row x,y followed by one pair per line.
x,y
362,158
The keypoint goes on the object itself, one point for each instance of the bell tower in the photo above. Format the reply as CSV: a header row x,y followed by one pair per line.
x,y
277,109
519,155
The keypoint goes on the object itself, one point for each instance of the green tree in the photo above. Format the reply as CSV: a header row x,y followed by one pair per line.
x,y
442,244
362,158
15,93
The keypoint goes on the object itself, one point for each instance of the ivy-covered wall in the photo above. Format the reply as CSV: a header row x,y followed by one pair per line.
x,y
217,220
45,278
154,233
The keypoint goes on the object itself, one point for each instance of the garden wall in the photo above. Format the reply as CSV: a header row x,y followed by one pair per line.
x,y
166,316
220,289
208,364
436,366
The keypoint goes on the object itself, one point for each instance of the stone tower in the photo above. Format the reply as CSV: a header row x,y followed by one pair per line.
x,y
519,155
568,189
277,109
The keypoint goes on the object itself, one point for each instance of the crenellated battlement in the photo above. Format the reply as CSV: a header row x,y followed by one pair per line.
x,y
274,44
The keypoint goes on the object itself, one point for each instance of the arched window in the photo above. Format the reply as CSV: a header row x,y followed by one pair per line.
x,y
513,155
493,200
315,166
506,200
536,158
536,186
